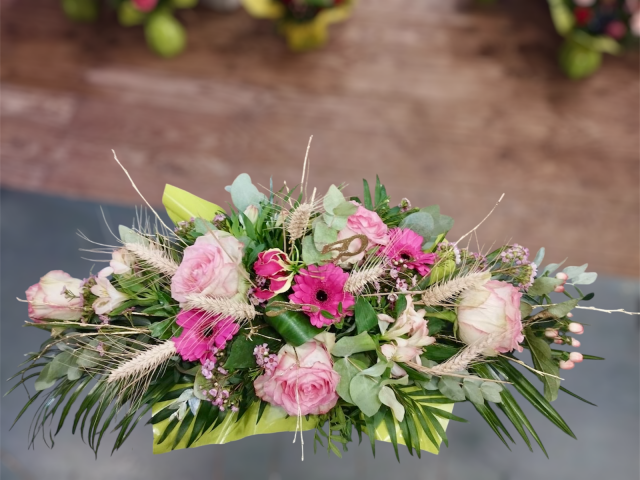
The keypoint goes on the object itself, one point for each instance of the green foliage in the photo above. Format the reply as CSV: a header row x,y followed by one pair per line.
x,y
366,317
543,361
293,327
348,368
182,205
241,350
349,345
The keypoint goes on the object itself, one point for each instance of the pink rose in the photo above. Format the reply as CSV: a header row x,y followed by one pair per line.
x,y
145,5
274,266
367,223
491,310
211,266
303,382
58,296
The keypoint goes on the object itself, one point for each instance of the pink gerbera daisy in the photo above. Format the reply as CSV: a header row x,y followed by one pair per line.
x,y
203,334
323,287
405,248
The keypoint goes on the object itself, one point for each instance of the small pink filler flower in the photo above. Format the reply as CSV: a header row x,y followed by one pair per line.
x,y
202,333
323,287
405,249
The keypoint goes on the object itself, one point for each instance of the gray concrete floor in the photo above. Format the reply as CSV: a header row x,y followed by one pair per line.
x,y
38,235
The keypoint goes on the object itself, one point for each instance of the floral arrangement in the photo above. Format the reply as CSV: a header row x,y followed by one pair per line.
x,y
165,35
304,23
591,28
296,311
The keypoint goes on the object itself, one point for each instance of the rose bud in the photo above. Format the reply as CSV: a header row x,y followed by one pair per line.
x,y
562,276
576,328
570,315
566,365
576,357
559,289
575,342
558,341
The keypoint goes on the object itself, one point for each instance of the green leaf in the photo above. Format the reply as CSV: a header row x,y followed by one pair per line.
x,y
494,422
367,195
561,309
345,209
182,205
366,317
421,223
294,327
391,428
525,309
529,392
162,330
129,236
323,235
184,427
347,368
333,199
543,286
54,370
349,345
543,361
310,254
364,393
241,350
577,396
244,193
491,391
472,391
450,388
439,352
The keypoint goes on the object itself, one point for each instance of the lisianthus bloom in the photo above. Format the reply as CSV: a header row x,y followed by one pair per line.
x,y
408,335
405,249
121,263
367,223
274,266
211,266
491,312
108,297
303,382
202,333
323,287
57,296
145,5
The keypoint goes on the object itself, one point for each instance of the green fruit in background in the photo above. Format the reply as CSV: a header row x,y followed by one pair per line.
x,y
128,15
184,3
578,61
165,35
81,10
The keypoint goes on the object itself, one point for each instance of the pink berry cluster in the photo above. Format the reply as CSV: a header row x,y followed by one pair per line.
x,y
574,357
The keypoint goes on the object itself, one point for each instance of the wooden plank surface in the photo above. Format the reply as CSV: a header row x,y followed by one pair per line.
x,y
448,103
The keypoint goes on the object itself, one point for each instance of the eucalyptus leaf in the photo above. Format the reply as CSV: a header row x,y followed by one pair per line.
x,y
491,391
347,368
364,392
376,370
345,209
543,286
349,345
552,267
573,272
539,256
421,223
203,226
310,254
472,392
129,236
450,388
323,235
525,309
54,370
561,309
333,199
586,278
244,193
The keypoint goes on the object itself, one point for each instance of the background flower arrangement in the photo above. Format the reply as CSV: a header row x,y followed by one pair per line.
x,y
592,28
293,312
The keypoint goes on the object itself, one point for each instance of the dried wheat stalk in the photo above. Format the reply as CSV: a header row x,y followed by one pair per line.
x,y
441,292
359,279
225,307
298,221
153,256
143,365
